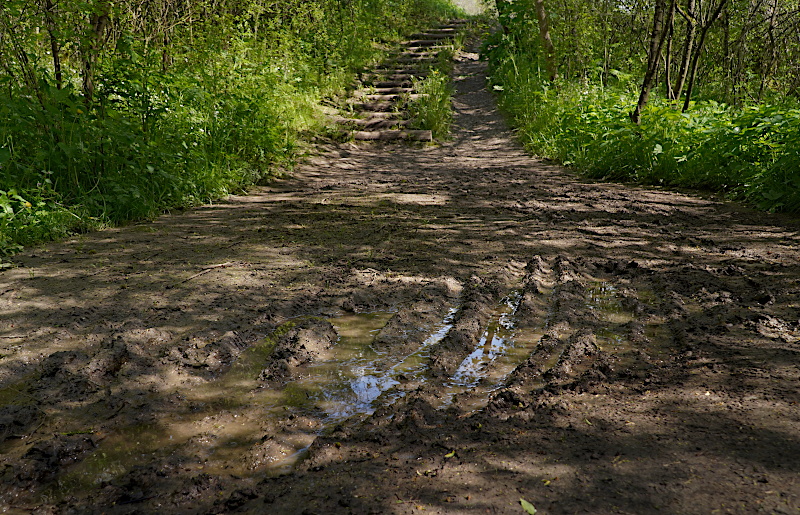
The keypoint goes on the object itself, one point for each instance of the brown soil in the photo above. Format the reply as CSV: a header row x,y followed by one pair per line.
x,y
159,368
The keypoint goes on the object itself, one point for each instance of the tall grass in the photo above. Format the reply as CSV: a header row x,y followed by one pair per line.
x,y
750,153
433,110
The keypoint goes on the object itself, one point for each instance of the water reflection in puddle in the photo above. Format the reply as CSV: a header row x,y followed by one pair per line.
x,y
495,341
615,335
360,380
502,347
604,298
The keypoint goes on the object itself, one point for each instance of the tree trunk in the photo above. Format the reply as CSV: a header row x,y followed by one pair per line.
x,y
688,46
55,47
668,58
657,37
698,51
26,69
547,41
99,19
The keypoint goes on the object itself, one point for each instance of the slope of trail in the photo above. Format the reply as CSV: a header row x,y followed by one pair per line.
x,y
434,329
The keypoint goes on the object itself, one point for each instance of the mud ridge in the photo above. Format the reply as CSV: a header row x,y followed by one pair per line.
x,y
410,326
480,297
301,343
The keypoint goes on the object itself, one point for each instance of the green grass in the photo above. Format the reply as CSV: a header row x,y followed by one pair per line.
x,y
433,111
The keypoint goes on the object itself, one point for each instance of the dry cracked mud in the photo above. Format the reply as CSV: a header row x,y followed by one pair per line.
x,y
403,329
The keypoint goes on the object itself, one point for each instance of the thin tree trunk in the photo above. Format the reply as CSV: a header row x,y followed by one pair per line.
x,y
26,68
657,37
547,41
98,23
727,59
773,51
698,51
668,58
55,48
691,30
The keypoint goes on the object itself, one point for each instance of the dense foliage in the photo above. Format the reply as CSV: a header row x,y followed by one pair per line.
x,y
112,110
737,129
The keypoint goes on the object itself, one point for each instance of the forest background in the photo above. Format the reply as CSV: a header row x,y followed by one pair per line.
x,y
115,110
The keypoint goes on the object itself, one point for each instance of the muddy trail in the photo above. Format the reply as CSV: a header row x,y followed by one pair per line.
x,y
408,328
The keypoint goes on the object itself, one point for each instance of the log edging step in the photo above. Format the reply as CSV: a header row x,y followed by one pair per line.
x,y
393,135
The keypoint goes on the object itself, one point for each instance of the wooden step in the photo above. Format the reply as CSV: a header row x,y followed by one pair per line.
x,y
455,24
393,135
389,73
388,84
391,90
416,60
370,92
377,81
374,106
434,35
450,31
418,55
393,115
418,49
391,98
374,123
423,43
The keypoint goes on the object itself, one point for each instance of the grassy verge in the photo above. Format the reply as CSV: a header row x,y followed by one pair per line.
x,y
433,110
750,153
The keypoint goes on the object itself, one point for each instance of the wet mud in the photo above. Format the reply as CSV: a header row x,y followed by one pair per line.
x,y
409,329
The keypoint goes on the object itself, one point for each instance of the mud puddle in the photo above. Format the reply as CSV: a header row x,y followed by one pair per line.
x,y
501,348
239,425
226,417
624,332
409,372
222,419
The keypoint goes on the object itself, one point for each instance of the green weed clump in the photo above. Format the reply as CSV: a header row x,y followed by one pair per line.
x,y
433,110
750,153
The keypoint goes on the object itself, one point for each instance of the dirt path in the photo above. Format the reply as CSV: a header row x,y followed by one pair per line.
x,y
518,333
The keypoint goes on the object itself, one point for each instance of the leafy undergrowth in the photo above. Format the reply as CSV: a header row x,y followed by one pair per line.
x,y
750,153
226,104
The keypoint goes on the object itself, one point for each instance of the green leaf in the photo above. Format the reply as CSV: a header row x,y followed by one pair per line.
x,y
528,507
772,194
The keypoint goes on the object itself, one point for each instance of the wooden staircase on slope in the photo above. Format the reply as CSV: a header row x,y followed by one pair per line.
x,y
377,109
